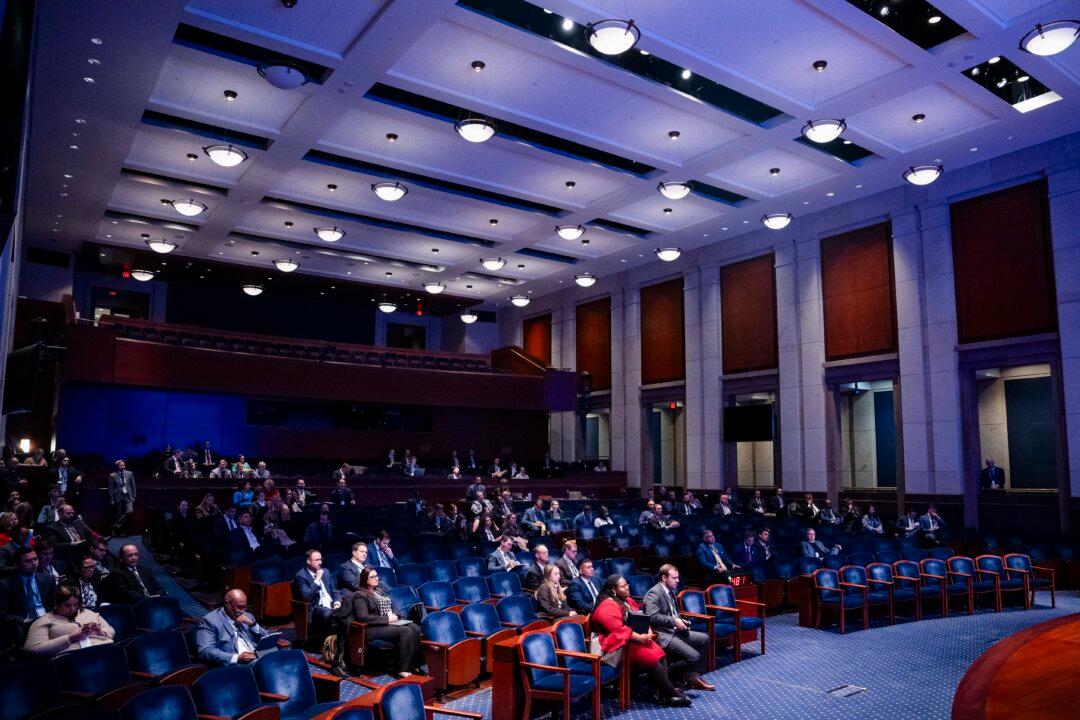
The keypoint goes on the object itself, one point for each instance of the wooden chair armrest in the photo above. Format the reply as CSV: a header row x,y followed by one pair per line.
x,y
880,582
473,633
1043,568
1018,570
441,647
358,625
323,677
853,585
696,616
275,697
724,607
451,711
958,574
263,712
551,668
750,602
579,655
935,577
140,675
905,577
508,625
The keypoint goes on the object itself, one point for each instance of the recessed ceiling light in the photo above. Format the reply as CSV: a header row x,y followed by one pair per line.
x,y
994,60
88,80
63,194
73,147
567,24
96,40
667,211
93,61
493,221
331,187
847,142
644,52
973,149
612,37
80,121
858,186
389,191
570,184
330,234
69,176
686,74
1022,78
830,194
934,19
570,232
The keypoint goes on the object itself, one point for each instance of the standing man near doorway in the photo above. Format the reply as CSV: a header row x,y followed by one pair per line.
x,y
992,477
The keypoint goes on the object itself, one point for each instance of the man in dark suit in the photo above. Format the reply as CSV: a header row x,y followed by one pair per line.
x,y
568,563
496,470
687,650
380,552
341,497
20,538
504,507
303,495
225,523
69,528
747,554
173,465
533,574
991,477
502,559
244,542
933,527
581,593
471,464
230,634
63,476
121,496
778,503
320,534
711,556
208,459
348,573
812,547
477,486
315,585
25,595
130,583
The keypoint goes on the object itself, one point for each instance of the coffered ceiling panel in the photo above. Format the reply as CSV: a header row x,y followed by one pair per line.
x,y
753,173
947,114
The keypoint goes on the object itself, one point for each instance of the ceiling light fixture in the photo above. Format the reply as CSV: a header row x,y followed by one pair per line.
x,y
142,275
492,263
434,287
776,221
668,254
476,128
283,76
329,234
570,232
612,37
389,191
252,289
1050,38
387,307
286,266
520,300
469,317
189,207
585,280
162,246
675,190
227,155
826,129
921,174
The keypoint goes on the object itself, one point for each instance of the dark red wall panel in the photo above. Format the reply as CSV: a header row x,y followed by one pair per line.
x,y
663,355
748,314
536,337
1003,264
857,291
593,327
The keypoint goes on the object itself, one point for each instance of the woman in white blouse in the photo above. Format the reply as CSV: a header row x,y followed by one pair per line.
x,y
68,627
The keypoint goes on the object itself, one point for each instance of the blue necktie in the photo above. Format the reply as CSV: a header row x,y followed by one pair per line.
x,y
32,594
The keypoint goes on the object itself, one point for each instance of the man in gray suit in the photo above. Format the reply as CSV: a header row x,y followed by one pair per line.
x,y
122,496
687,650
229,635
812,547
502,559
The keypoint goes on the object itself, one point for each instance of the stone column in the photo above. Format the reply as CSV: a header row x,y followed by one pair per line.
x,y
702,331
618,384
630,351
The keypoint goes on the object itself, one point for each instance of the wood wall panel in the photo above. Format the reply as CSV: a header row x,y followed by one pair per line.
x,y
1003,264
593,328
536,337
663,354
748,314
857,292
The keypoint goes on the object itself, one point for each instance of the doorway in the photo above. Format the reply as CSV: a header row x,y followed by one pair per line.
x,y
666,429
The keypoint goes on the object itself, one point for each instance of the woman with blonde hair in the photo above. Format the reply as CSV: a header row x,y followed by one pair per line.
x,y
550,595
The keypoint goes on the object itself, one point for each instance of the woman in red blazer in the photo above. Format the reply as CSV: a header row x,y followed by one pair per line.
x,y
608,620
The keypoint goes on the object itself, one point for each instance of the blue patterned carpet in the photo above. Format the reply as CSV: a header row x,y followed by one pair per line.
x,y
909,670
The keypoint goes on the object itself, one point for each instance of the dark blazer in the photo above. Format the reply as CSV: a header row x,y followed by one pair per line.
x,y
340,497
470,492
532,576
564,566
13,605
348,577
365,609
991,475
305,589
318,536
238,542
121,586
705,556
657,604
551,604
754,555
54,476
816,549
7,556
59,536
377,558
776,506
579,597
216,633
117,482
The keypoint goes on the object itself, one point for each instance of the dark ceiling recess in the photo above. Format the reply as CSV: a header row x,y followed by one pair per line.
x,y
246,53
720,195
205,130
533,19
1006,80
547,255
916,20
840,149
112,260
621,228
550,143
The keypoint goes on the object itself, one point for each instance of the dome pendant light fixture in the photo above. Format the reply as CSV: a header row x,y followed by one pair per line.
x,y
162,246
252,289
921,174
468,317
286,266
668,254
776,221
674,190
142,275
823,131
434,287
612,37
520,300
585,280
282,76
1051,38
189,207
570,232
475,129
389,191
330,234
492,264
226,154
387,307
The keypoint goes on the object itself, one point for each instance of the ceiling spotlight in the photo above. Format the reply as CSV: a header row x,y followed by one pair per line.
x,y
570,232
676,190
923,174
387,307
493,221
776,221
329,234
492,263
567,24
685,75
1051,38
161,246
468,317
252,289
520,300
823,131
227,155
585,280
934,19
668,254
389,191
189,207
475,130
994,60
282,76
434,287
286,265
612,37
142,275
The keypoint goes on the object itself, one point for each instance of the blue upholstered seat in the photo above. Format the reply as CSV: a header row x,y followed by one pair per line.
x,y
286,672
227,692
168,702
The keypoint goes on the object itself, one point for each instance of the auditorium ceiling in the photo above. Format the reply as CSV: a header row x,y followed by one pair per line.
x,y
128,94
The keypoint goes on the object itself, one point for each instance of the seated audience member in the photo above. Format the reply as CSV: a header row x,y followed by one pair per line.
x,y
991,477
241,468
600,466
550,595
225,523
521,474
207,458
22,537
182,531
829,516
513,469
686,650
581,593
374,608
342,473
711,556
757,503
348,573
932,526
106,562
723,506
244,495
480,505
222,471
303,495
747,554
504,507
484,530
87,581
50,510
852,516
11,447
689,505
276,517
230,634
245,542
907,524
510,527
261,472
554,511
380,553
130,583
808,511
568,562
341,497
871,522
604,518
762,545
609,621
778,503
496,470
174,466
535,519
190,471
812,547
472,465
320,534
455,474
69,626
11,478
436,522
292,504
659,521
458,524
533,573
455,461
315,586
69,528
733,499
646,515
9,522
585,518
502,558
37,459
47,563
392,461
25,595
